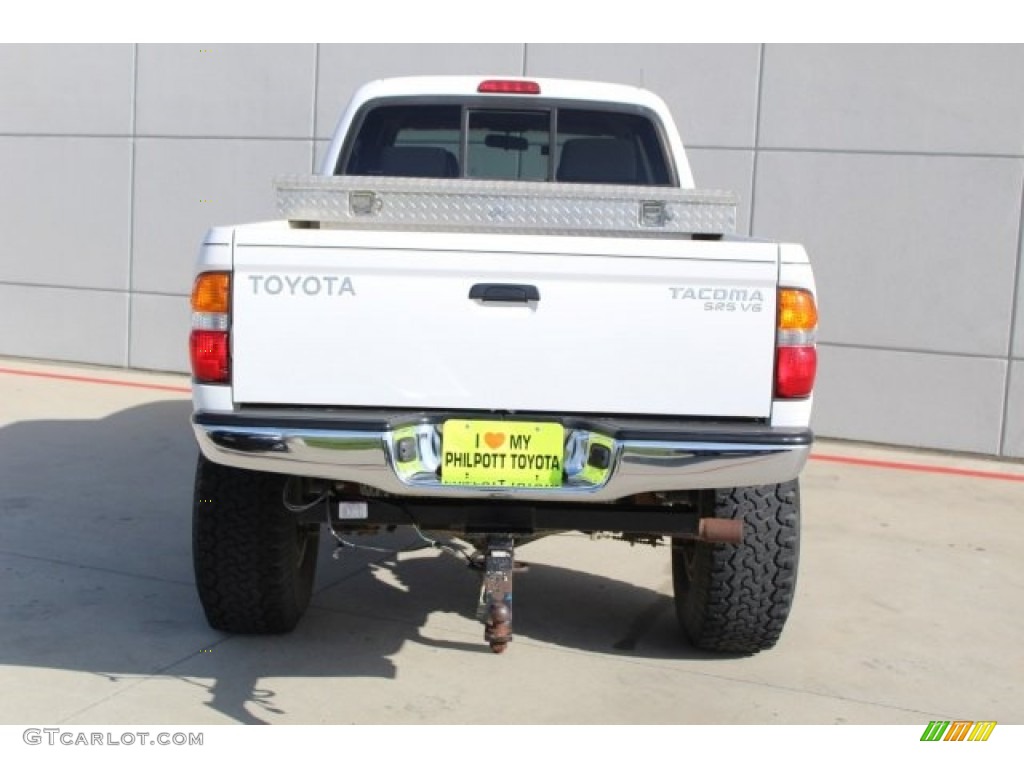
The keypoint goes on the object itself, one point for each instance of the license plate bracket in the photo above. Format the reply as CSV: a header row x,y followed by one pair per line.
x,y
502,454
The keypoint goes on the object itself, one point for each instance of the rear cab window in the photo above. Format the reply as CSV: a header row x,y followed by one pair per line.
x,y
573,144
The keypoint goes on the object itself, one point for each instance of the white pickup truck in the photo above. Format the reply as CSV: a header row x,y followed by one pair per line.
x,y
502,310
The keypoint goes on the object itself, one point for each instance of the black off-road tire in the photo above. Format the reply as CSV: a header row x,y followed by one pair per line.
x,y
736,598
254,563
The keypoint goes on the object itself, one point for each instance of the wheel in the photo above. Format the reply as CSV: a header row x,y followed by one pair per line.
x,y
736,598
254,563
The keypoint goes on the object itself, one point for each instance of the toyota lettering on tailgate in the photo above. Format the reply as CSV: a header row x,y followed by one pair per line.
x,y
301,285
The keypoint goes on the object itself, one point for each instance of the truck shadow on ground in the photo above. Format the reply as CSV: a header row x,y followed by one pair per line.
x,y
97,578
364,626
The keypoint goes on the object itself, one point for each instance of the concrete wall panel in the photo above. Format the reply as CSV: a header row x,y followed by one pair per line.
x,y
65,211
78,325
66,89
935,401
160,328
894,98
202,90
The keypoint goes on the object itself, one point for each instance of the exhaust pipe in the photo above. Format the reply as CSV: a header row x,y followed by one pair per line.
x,y
715,531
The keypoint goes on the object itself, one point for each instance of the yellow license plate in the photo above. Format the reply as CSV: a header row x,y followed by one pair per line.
x,y
510,454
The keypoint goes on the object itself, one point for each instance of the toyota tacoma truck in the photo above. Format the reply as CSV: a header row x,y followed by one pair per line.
x,y
502,310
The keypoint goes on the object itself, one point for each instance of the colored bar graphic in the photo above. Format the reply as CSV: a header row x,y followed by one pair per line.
x,y
958,730
982,730
935,730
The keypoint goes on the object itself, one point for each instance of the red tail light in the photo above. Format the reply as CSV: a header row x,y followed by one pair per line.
x,y
209,353
796,358
795,370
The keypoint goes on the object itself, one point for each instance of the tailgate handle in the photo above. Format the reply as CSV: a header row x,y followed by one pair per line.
x,y
504,293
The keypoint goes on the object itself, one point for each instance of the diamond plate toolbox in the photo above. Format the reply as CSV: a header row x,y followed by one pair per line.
x,y
478,205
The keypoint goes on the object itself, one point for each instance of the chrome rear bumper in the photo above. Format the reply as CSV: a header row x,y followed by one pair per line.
x,y
643,455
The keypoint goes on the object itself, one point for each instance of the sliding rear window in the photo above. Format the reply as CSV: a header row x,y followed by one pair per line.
x,y
598,146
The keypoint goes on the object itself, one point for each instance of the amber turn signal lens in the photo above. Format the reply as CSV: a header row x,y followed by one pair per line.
x,y
797,311
211,292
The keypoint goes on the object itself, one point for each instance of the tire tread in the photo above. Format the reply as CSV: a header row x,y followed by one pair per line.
x,y
741,595
244,548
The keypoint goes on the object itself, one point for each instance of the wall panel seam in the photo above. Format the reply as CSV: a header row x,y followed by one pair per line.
x,y
818,151
316,105
891,153
1014,319
689,145
757,137
129,308
43,135
913,351
197,137
93,289
51,286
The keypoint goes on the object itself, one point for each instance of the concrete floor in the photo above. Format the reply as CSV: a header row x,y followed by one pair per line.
x,y
909,605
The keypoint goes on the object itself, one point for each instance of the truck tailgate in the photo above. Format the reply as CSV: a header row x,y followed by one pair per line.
x,y
619,325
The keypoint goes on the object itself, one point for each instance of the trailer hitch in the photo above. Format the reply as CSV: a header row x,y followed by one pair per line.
x,y
495,608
